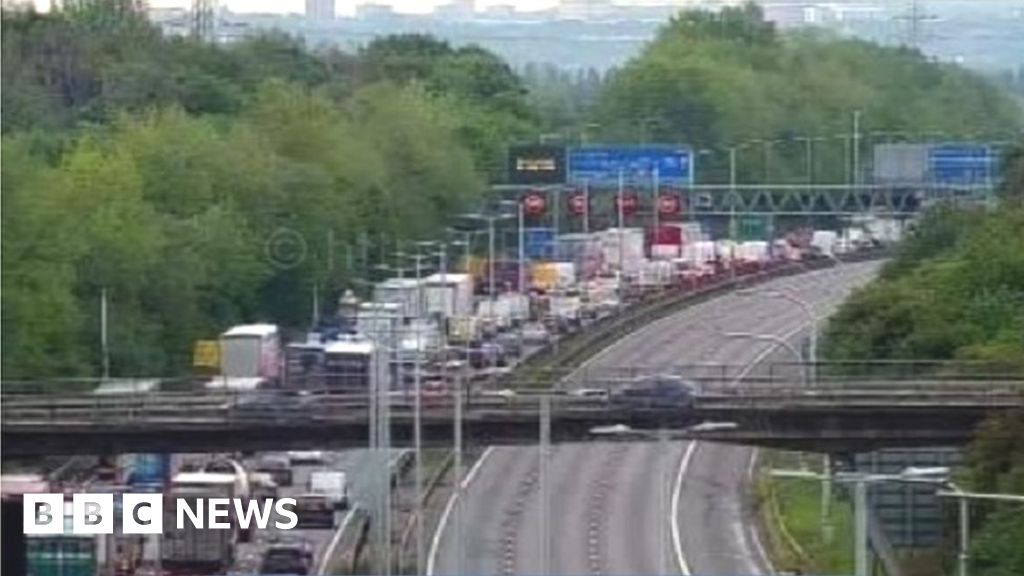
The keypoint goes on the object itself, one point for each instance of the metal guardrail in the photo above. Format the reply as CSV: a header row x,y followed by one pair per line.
x,y
55,413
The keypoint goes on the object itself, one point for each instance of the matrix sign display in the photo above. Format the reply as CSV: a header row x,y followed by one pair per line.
x,y
536,164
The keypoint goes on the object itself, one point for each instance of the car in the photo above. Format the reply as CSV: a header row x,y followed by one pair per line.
x,y
484,354
660,392
297,457
277,467
593,393
287,558
262,485
535,333
511,343
314,511
265,405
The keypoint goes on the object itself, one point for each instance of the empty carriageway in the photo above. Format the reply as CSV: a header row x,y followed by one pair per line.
x,y
614,508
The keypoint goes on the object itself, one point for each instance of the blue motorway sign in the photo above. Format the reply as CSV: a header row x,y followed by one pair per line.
x,y
637,166
961,164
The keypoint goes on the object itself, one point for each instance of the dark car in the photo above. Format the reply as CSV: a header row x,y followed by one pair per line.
x,y
287,558
511,343
314,511
276,406
656,392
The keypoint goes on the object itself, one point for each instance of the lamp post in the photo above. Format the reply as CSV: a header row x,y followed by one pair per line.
x,y
963,505
856,147
520,224
808,310
861,482
490,220
778,340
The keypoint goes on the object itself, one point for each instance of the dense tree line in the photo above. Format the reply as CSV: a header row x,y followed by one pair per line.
x,y
202,185
718,79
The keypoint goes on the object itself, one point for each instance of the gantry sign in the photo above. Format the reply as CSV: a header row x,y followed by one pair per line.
x,y
653,178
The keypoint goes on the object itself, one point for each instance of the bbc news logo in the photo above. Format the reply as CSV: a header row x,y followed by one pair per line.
x,y
144,513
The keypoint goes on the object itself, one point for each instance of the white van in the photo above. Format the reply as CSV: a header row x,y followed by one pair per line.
x,y
331,484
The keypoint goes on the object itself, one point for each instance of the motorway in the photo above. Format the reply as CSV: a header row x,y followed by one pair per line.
x,y
637,508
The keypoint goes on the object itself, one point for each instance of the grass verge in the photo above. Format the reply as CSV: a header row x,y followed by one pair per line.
x,y
791,510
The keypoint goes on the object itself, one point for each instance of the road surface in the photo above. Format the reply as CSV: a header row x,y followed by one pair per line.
x,y
609,506
357,465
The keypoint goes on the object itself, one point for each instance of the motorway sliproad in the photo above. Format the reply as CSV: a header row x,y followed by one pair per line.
x,y
607,513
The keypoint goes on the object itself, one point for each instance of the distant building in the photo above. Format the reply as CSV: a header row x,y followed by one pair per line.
x,y
320,9
789,15
585,9
500,11
457,10
374,12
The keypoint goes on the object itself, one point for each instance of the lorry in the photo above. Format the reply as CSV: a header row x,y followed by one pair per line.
x,y
191,550
449,294
332,484
565,311
250,357
504,311
823,242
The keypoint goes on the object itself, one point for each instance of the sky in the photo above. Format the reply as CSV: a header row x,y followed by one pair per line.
x,y
341,6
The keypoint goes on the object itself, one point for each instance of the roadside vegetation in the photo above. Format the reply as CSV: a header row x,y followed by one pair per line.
x,y
955,291
791,510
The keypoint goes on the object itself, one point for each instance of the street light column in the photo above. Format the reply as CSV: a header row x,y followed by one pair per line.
x,y
860,512
657,206
965,528
490,261
545,447
856,147
522,247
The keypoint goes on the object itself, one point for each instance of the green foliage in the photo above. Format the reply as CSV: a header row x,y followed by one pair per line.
x,y
996,550
996,464
954,291
201,186
726,78
487,99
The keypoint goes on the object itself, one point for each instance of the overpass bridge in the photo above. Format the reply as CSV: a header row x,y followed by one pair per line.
x,y
835,416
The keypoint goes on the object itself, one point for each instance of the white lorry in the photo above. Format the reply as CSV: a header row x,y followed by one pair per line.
x,y
331,484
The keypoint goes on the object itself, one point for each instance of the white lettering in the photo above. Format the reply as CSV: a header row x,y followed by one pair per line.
x,y
219,509
252,509
142,513
92,513
281,507
184,509
43,514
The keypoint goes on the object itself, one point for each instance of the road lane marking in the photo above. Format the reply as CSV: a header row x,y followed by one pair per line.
x,y
329,552
435,543
752,528
677,541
